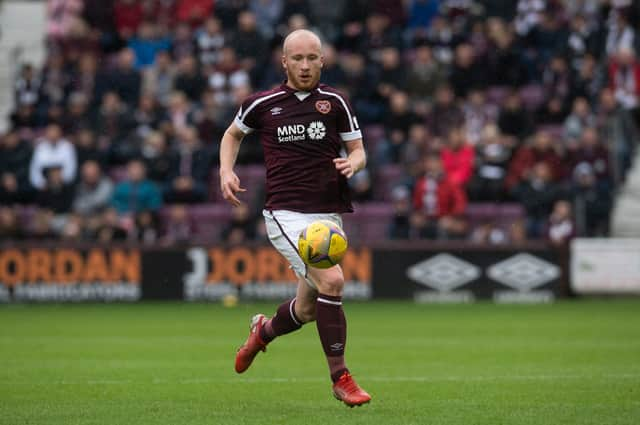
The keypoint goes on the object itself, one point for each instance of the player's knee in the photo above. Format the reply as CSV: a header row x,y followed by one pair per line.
x,y
332,283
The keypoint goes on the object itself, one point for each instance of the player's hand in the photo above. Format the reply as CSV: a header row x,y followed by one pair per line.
x,y
344,166
229,186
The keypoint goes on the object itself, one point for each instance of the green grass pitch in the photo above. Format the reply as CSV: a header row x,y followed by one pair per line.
x,y
575,362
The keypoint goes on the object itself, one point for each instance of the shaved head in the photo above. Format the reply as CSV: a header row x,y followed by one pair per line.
x,y
302,59
301,35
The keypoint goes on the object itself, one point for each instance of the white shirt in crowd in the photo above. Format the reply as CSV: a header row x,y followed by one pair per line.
x,y
47,155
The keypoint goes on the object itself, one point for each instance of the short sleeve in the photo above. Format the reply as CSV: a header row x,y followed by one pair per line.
x,y
247,119
348,127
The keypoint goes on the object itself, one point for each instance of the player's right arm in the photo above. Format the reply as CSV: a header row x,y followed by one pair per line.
x,y
229,181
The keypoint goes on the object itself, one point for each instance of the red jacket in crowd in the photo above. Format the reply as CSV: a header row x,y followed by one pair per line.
x,y
458,164
438,198
526,157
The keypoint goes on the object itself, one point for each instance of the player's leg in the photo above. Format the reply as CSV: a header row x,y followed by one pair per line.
x,y
292,314
332,329
281,231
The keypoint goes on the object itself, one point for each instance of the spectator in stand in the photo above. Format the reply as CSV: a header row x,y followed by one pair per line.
x,y
54,82
94,191
146,116
557,82
549,37
439,204
77,114
424,75
10,229
591,151
620,35
580,118
109,229
242,226
361,187
136,193
588,80
147,43
624,80
87,149
400,226
189,79
61,15
146,227
561,227
467,72
209,40
113,123
128,17
529,14
513,119
458,158
493,153
183,43
414,149
593,201
26,89
52,150
391,73
442,38
179,227
267,13
332,72
378,35
189,170
226,76
478,113
84,77
541,149
57,197
504,64
159,78
445,113
248,43
538,194
125,79
193,12
179,113
156,156
617,127
396,125
420,13
15,158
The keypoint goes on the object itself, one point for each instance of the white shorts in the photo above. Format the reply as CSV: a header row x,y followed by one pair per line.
x,y
283,229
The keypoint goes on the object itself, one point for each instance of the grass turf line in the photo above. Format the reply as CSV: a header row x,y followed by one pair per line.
x,y
575,362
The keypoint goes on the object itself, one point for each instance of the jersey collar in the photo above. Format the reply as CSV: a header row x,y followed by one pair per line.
x,y
301,95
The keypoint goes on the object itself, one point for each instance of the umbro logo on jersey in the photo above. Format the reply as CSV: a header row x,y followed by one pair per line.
x,y
276,110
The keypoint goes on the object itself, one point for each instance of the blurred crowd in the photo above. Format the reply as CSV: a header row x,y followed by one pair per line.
x,y
534,102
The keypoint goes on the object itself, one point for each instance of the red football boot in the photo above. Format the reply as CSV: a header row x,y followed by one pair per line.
x,y
349,392
252,345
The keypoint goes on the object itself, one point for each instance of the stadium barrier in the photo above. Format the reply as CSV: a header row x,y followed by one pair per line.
x,y
423,271
463,272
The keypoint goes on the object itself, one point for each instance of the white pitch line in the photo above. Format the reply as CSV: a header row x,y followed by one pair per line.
x,y
425,379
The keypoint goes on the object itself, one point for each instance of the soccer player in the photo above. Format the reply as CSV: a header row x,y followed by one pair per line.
x,y
303,126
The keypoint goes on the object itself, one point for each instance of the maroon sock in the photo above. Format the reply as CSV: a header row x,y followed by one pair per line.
x,y
332,328
283,322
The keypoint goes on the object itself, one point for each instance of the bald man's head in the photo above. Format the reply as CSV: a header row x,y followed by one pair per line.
x,y
302,34
302,59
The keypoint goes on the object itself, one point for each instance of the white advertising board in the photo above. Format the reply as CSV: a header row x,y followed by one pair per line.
x,y
605,266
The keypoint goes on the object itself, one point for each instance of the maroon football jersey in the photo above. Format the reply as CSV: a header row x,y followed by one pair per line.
x,y
301,133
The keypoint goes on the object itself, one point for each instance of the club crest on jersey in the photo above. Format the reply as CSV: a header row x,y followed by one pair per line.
x,y
323,106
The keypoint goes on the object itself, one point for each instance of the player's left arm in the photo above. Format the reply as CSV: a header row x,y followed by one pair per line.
x,y
355,161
